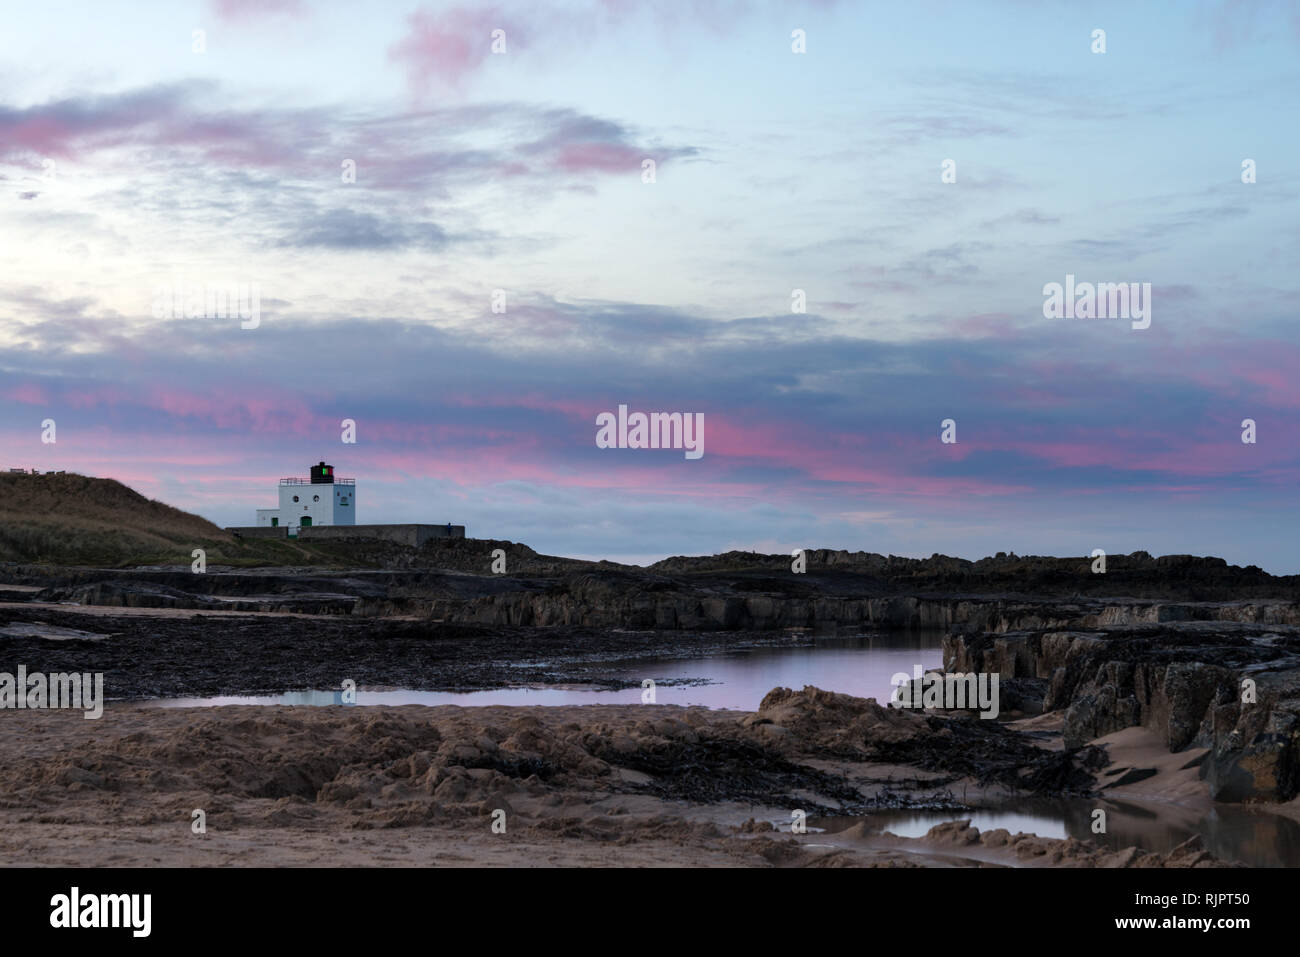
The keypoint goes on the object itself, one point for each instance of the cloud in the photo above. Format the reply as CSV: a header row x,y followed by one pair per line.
x,y
59,127
817,414
447,46
348,229
272,176
420,150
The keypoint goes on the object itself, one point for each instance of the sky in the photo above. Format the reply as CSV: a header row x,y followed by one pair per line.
x,y
834,252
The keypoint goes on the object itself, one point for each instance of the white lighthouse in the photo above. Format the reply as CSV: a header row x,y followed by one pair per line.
x,y
319,500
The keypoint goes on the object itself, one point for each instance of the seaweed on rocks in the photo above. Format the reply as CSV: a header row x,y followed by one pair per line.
x,y
709,771
992,754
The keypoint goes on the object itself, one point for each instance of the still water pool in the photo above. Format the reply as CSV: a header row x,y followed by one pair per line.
x,y
860,666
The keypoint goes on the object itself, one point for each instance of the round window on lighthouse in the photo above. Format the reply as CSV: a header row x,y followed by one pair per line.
x,y
315,498
295,498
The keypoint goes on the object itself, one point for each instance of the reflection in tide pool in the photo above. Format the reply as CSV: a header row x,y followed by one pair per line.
x,y
1229,832
861,666
505,696
917,823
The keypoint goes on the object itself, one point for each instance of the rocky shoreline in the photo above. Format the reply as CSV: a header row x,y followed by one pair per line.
x,y
1201,658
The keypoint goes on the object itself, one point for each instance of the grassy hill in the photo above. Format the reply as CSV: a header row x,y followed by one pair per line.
x,y
74,519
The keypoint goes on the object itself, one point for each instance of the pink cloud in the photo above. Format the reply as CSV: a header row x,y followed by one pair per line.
x,y
37,134
603,157
27,393
449,45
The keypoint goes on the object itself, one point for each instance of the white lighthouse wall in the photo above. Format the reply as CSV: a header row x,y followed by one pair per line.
x,y
345,505
316,502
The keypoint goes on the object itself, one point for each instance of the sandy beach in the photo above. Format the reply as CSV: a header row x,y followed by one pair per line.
x,y
584,785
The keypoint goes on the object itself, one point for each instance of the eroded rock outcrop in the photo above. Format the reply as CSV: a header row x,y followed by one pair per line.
x,y
958,747
623,601
1233,689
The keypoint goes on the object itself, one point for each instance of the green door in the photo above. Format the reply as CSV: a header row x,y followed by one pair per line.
x,y
305,521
